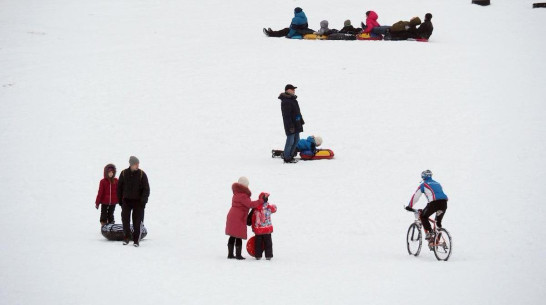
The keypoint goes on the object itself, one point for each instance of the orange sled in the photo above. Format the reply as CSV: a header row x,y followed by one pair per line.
x,y
320,154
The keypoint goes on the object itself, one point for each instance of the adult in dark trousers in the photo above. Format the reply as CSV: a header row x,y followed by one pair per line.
x,y
293,122
298,26
133,193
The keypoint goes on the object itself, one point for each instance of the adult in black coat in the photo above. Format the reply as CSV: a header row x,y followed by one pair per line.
x,y
133,193
293,121
426,28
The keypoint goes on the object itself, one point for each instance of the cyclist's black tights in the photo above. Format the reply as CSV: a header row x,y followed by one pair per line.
x,y
431,208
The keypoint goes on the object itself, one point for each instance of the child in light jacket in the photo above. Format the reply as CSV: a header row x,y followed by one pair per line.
x,y
262,227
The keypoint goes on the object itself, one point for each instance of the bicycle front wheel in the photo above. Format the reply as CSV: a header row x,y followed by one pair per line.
x,y
414,239
443,245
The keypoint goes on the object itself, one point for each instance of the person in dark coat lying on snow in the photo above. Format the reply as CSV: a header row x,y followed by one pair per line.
x,y
293,122
425,30
237,216
402,30
298,26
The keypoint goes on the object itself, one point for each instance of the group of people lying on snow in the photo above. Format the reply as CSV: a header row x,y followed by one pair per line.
x,y
401,30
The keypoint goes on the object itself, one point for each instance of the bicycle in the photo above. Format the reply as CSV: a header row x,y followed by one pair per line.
x,y
440,243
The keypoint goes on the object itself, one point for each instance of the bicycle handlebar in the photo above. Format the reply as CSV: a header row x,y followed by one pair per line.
x,y
410,210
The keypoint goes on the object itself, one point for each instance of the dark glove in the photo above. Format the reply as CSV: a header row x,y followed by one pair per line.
x,y
96,206
409,209
363,25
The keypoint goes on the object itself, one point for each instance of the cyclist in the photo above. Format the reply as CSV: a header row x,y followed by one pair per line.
x,y
437,202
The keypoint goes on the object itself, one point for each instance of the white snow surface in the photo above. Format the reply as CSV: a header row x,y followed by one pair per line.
x,y
190,87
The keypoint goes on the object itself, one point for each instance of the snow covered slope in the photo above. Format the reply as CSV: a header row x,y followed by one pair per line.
x,y
190,87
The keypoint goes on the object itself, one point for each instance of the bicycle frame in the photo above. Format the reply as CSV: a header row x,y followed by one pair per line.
x,y
418,220
440,242
419,223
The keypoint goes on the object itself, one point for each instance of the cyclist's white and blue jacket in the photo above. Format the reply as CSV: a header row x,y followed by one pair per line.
x,y
432,190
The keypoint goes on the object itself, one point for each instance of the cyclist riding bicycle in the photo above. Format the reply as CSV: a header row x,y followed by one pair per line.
x,y
437,202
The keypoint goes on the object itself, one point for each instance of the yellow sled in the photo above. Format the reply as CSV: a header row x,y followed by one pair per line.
x,y
367,36
315,37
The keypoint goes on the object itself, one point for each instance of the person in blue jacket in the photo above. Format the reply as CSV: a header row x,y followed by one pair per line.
x,y
298,26
437,201
309,146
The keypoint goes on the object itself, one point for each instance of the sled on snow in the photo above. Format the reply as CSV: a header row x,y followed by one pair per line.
x,y
407,39
115,231
251,246
315,37
418,39
367,36
319,155
341,36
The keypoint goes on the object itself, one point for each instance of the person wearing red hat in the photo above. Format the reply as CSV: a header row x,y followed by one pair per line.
x,y
262,227
107,196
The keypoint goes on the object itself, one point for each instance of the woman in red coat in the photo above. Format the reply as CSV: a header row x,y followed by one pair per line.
x,y
237,216
107,195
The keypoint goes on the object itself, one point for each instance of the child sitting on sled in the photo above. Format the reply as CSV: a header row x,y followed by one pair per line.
x,y
309,146
262,227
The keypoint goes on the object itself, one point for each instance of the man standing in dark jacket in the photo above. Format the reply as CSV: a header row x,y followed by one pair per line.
x,y
293,122
133,193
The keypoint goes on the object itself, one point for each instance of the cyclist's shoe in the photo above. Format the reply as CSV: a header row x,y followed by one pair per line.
x,y
430,236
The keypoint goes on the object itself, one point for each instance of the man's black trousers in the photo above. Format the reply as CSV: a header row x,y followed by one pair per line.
x,y
137,207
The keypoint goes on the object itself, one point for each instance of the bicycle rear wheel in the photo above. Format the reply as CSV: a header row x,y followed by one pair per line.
x,y
414,239
443,245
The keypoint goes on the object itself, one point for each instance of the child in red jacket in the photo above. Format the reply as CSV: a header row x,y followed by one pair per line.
x,y
262,227
107,195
